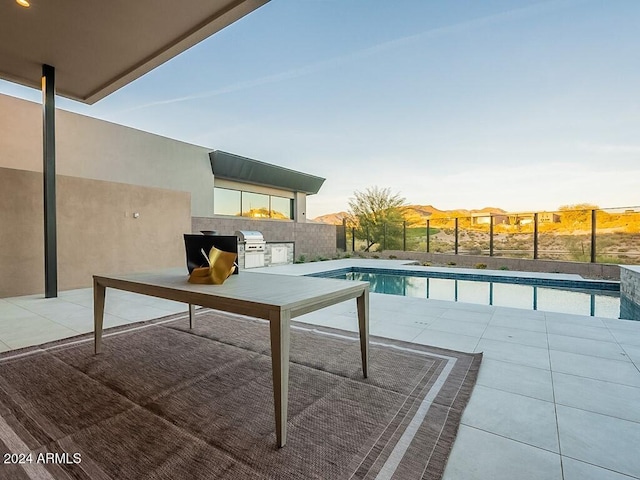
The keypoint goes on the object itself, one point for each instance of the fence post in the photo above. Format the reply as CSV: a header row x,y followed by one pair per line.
x,y
593,236
491,235
353,239
384,238
404,236
535,236
428,235
456,242
367,230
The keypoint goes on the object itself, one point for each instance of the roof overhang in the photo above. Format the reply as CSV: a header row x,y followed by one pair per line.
x,y
98,47
246,170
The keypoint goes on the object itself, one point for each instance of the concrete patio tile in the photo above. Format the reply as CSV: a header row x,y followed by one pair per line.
x,y
468,315
580,331
133,311
520,313
398,332
514,353
62,311
342,322
25,326
627,337
10,313
36,336
598,439
450,325
31,300
620,371
633,352
474,307
585,346
6,307
479,455
4,347
577,470
408,319
622,324
520,379
83,323
620,401
525,419
420,307
516,335
575,319
452,341
537,324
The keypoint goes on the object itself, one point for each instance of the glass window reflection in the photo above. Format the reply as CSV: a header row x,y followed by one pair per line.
x,y
281,208
226,202
255,205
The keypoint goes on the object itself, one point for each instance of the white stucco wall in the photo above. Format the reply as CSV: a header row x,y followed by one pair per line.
x,y
100,150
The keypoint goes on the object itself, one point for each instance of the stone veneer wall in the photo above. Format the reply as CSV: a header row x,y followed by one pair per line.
x,y
630,292
310,239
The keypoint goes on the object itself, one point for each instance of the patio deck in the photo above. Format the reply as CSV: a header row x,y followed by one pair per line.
x,y
558,396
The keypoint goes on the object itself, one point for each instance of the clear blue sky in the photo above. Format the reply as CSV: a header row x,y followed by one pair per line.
x,y
524,105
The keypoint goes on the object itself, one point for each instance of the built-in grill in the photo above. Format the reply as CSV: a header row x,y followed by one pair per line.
x,y
253,246
253,241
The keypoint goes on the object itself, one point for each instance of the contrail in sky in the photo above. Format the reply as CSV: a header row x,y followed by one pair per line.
x,y
514,14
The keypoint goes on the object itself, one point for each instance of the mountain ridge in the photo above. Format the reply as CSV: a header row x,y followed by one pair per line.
x,y
413,214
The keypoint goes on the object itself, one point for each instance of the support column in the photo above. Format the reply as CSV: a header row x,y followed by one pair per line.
x,y
49,178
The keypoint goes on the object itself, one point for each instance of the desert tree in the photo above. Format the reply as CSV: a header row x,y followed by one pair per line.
x,y
376,213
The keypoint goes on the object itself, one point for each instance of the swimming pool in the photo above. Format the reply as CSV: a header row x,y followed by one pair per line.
x,y
600,299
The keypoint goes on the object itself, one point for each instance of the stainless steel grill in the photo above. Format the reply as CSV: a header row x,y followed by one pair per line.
x,y
253,241
253,247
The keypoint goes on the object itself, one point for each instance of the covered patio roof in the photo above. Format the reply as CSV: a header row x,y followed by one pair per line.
x,y
87,50
97,47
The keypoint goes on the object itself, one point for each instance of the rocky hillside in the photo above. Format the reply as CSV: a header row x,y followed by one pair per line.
x,y
413,214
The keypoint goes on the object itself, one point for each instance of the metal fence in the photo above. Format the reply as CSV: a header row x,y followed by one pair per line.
x,y
609,235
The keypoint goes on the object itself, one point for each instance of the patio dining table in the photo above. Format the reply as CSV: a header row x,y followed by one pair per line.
x,y
273,297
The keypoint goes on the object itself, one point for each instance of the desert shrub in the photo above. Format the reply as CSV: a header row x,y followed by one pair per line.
x,y
481,265
375,256
504,267
392,257
451,263
301,259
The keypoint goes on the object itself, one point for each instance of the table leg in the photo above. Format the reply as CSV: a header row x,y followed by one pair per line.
x,y
363,326
280,323
192,313
98,314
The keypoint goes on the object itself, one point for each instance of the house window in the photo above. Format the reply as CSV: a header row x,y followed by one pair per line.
x,y
281,208
226,202
255,205
250,204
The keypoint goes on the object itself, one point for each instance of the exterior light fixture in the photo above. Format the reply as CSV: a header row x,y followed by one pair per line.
x,y
23,3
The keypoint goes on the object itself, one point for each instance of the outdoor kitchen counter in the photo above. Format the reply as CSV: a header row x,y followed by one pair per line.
x,y
276,298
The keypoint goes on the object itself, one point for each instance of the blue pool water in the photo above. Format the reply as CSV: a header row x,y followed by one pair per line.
x,y
574,300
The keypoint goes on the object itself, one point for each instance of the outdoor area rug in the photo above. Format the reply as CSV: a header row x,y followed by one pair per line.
x,y
166,402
